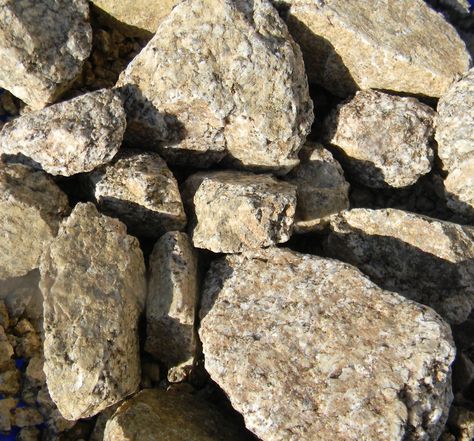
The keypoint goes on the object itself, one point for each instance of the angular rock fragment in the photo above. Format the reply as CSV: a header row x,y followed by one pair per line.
x,y
199,89
43,44
235,211
404,46
93,283
308,348
171,304
384,140
424,259
142,192
31,207
71,137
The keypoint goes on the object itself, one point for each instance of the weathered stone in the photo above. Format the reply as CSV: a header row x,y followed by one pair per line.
x,y
31,207
4,315
34,370
403,46
28,345
6,351
6,407
308,348
141,191
424,259
171,304
93,283
384,140
53,418
42,47
462,420
321,188
29,434
235,211
26,417
199,89
71,137
10,382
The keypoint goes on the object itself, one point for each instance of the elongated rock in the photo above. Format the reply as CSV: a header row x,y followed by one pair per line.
x,y
199,89
43,44
308,348
71,137
93,284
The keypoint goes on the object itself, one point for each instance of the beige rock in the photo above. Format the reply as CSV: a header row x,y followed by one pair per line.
x,y
29,434
385,140
93,283
171,304
26,417
425,259
199,89
34,370
10,382
53,418
71,137
308,348
235,211
6,407
31,207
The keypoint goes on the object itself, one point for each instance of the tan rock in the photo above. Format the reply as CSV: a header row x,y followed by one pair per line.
x,y
27,417
29,434
34,370
308,348
235,211
10,382
93,283
6,407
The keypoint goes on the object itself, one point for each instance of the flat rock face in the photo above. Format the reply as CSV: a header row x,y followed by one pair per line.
x,y
235,211
403,46
198,92
93,284
142,192
171,304
71,137
308,348
31,208
385,140
43,44
424,259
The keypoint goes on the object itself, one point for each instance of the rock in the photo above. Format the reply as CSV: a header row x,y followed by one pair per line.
x,y
31,207
198,90
93,283
424,259
462,420
4,315
52,416
308,348
29,434
27,417
10,382
141,191
171,304
42,47
6,407
34,370
403,46
321,188
6,351
235,211
28,345
74,136
384,140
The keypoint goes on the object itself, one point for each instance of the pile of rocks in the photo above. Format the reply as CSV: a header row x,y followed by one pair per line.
x,y
236,220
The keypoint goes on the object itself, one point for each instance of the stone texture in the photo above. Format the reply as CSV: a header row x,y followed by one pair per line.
x,y
141,191
6,407
71,137
234,211
199,89
384,140
93,283
425,259
31,207
42,47
462,420
26,417
171,304
308,348
403,46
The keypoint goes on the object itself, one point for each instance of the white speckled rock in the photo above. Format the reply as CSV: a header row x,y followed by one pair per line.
x,y
384,140
71,137
43,44
93,284
308,348
199,89
235,211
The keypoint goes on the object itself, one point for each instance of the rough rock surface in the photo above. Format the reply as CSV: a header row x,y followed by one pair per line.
x,y
235,211
384,140
425,259
70,137
198,90
31,207
141,191
308,348
42,47
93,283
403,46
171,304
321,188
